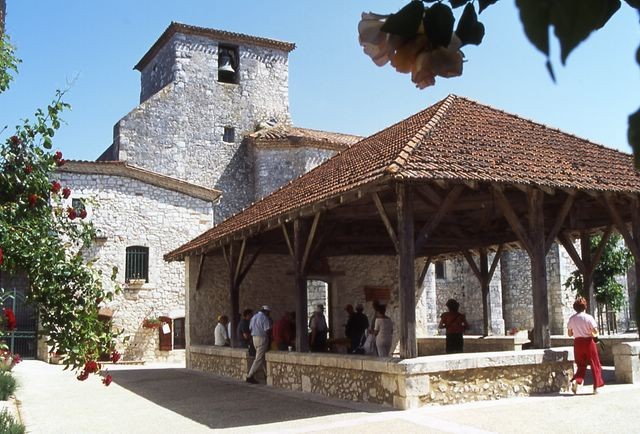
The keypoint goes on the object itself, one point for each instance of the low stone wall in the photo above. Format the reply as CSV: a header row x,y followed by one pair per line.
x,y
434,345
411,383
605,353
224,361
626,358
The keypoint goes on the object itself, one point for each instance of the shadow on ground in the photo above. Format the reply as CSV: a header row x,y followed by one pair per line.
x,y
224,403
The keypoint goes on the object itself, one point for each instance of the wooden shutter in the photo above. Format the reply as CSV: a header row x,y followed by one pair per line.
x,y
165,338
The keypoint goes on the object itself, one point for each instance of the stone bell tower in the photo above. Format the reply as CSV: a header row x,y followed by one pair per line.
x,y
202,91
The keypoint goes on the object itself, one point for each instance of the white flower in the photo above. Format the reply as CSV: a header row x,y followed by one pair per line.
x,y
445,62
374,41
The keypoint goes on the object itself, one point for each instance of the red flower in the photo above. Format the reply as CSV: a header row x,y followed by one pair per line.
x,y
83,376
16,358
10,319
58,156
107,380
91,366
15,140
83,213
28,169
71,213
61,162
33,198
66,192
115,356
1,256
55,187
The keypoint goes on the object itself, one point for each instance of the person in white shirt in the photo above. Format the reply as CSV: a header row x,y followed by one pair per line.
x,y
584,330
220,333
260,326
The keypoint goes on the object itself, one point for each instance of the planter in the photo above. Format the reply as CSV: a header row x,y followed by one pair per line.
x,y
136,283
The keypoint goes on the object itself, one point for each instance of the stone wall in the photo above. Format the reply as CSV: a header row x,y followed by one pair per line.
x,y
275,167
435,345
224,361
178,128
421,381
461,284
605,351
128,212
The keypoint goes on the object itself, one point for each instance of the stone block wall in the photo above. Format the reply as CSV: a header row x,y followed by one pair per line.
x,y
128,212
435,345
223,361
178,128
276,167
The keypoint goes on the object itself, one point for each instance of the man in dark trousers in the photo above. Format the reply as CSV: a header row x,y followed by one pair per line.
x,y
356,326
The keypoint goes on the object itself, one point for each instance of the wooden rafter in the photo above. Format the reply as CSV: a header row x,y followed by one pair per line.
x,y
560,218
632,244
472,264
200,264
446,204
240,259
285,232
386,221
513,220
248,265
309,243
564,239
423,271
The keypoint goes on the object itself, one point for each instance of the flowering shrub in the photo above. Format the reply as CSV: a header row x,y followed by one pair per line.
x,y
107,380
40,240
9,319
514,331
151,323
8,360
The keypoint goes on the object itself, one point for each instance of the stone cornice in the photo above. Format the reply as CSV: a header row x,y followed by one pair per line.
x,y
121,168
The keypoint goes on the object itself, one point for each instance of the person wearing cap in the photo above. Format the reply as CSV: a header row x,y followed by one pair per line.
x,y
260,327
220,333
356,326
319,329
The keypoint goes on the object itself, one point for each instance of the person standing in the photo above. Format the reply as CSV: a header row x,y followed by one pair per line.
x,y
221,339
319,329
584,330
358,323
454,323
282,335
260,326
243,331
383,330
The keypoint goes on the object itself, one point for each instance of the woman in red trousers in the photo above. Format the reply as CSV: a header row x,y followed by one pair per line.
x,y
584,330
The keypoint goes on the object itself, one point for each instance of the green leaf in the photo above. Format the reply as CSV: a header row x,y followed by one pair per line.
x,y
633,135
535,17
438,24
458,3
483,4
574,20
48,144
406,21
470,30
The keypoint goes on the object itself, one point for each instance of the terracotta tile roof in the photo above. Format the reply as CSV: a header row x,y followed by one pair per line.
x,y
221,35
121,168
290,136
455,139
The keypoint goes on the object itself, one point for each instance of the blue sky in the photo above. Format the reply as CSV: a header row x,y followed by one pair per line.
x,y
91,47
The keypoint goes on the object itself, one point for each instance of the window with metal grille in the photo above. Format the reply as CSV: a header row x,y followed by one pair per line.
x,y
440,270
137,263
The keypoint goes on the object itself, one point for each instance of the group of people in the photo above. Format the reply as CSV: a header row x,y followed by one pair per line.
x,y
363,339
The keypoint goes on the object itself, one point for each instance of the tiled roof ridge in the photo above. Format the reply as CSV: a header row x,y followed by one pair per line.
x,y
175,27
263,134
396,166
542,124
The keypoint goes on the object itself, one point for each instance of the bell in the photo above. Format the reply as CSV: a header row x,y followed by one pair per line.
x,y
225,62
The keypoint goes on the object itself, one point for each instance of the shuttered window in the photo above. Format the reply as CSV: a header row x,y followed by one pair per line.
x,y
137,263
165,334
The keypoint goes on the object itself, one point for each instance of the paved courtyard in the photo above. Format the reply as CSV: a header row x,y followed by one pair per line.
x,y
156,398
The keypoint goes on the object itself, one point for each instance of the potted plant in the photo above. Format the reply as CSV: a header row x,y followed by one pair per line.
x,y
151,323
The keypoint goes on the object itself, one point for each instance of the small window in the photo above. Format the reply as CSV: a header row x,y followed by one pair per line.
x,y
137,263
229,135
78,204
440,270
228,64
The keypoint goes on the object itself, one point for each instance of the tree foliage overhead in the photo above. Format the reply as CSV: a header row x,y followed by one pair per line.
x,y
422,38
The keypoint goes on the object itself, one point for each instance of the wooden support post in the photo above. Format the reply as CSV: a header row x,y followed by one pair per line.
x,y
406,272
541,336
587,277
635,229
299,238
484,282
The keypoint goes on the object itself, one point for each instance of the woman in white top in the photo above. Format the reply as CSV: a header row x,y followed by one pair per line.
x,y
383,329
584,330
